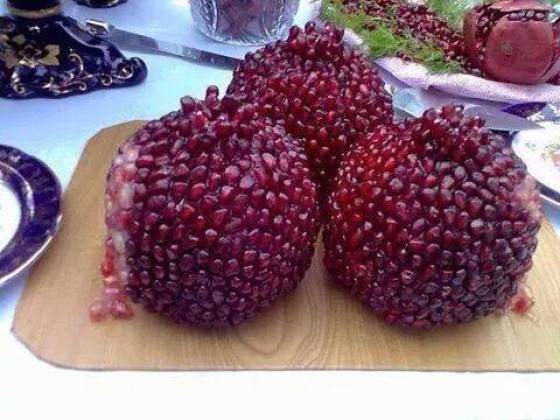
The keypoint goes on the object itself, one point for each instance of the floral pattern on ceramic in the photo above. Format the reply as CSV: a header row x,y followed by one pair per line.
x,y
39,194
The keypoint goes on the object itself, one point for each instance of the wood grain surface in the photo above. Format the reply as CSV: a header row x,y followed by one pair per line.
x,y
318,327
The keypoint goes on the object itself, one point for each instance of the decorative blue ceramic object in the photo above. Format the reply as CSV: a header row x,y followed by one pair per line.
x,y
44,53
38,192
100,3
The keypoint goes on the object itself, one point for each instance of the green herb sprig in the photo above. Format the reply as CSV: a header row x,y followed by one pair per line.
x,y
451,11
382,40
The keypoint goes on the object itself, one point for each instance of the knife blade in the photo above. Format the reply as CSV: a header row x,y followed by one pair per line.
x,y
137,42
501,121
406,101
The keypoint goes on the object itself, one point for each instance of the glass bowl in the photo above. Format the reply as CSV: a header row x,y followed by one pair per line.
x,y
244,22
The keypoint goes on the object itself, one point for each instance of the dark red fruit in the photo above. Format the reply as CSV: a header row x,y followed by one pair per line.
x,y
514,41
212,215
432,221
320,89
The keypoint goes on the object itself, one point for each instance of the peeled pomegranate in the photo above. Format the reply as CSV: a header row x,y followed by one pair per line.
x,y
212,215
432,221
514,41
319,88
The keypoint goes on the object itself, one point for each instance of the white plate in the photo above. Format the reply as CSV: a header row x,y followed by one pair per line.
x,y
535,148
10,215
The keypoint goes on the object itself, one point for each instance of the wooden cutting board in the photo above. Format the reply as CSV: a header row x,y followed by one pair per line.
x,y
318,327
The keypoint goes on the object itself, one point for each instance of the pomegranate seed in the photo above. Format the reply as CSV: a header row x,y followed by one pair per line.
x,y
97,311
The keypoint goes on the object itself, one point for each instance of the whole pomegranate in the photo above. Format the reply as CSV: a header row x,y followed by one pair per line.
x,y
212,215
319,88
513,41
432,221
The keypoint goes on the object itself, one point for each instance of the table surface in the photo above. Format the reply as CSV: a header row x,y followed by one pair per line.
x,y
56,131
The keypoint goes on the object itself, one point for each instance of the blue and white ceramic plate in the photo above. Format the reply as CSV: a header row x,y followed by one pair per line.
x,y
30,205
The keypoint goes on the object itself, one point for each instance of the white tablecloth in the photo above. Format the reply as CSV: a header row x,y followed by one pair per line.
x,y
56,132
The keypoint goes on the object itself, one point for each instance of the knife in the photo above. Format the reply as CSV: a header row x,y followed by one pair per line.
x,y
136,42
407,102
499,120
